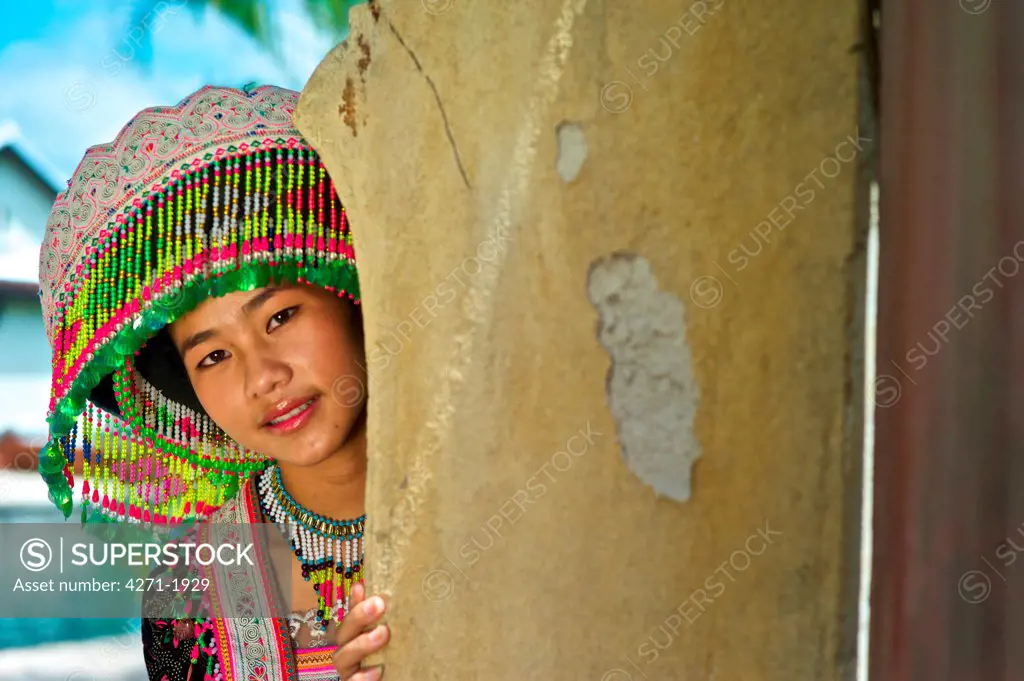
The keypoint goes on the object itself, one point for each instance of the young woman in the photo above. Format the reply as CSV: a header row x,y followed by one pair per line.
x,y
201,297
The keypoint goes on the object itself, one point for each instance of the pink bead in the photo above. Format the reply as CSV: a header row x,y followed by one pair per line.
x,y
106,501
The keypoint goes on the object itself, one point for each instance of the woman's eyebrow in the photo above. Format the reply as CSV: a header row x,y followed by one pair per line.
x,y
195,339
256,301
248,307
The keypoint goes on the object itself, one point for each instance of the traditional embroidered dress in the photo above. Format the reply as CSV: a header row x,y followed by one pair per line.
x,y
237,647
217,194
315,664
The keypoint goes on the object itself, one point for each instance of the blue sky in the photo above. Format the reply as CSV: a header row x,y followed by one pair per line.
x,y
72,73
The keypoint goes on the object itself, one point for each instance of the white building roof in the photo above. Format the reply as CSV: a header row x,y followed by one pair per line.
x,y
19,248
11,138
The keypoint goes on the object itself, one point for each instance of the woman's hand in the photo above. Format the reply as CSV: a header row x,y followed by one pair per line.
x,y
355,643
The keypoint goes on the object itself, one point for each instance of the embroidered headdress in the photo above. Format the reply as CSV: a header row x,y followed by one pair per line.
x,y
217,194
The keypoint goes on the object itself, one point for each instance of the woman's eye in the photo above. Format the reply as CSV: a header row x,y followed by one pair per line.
x,y
281,317
215,357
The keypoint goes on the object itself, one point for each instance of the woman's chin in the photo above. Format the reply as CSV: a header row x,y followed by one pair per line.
x,y
314,445
302,458
306,452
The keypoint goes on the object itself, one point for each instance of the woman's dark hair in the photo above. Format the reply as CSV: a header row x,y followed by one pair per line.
x,y
160,364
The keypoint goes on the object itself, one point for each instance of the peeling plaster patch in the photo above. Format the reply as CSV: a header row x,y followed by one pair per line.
x,y
348,107
651,389
572,150
364,62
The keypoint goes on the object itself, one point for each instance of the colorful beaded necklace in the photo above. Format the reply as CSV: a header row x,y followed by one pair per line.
x,y
330,551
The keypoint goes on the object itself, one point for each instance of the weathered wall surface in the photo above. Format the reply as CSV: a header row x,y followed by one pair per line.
x,y
602,246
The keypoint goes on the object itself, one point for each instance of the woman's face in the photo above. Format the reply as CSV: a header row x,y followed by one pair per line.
x,y
279,369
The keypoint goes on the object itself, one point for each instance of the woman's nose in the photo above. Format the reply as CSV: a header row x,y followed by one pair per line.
x,y
265,374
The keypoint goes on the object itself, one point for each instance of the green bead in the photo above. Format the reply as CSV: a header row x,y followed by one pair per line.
x,y
231,486
152,320
51,460
262,276
122,344
64,409
217,287
248,279
89,376
70,407
61,498
289,271
167,303
314,276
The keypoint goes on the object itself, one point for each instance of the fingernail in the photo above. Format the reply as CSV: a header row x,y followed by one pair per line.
x,y
377,635
376,605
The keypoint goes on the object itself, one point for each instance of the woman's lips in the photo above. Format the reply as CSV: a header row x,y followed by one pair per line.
x,y
295,422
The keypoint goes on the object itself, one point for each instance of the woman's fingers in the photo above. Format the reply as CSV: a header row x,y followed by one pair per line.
x,y
360,616
357,594
349,655
355,643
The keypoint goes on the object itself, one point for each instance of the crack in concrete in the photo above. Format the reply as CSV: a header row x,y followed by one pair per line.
x,y
440,106
471,339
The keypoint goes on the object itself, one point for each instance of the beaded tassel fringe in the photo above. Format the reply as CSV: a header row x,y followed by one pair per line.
x,y
119,463
330,551
245,217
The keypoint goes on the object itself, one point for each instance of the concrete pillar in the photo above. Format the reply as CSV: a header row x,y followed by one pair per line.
x,y
605,252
